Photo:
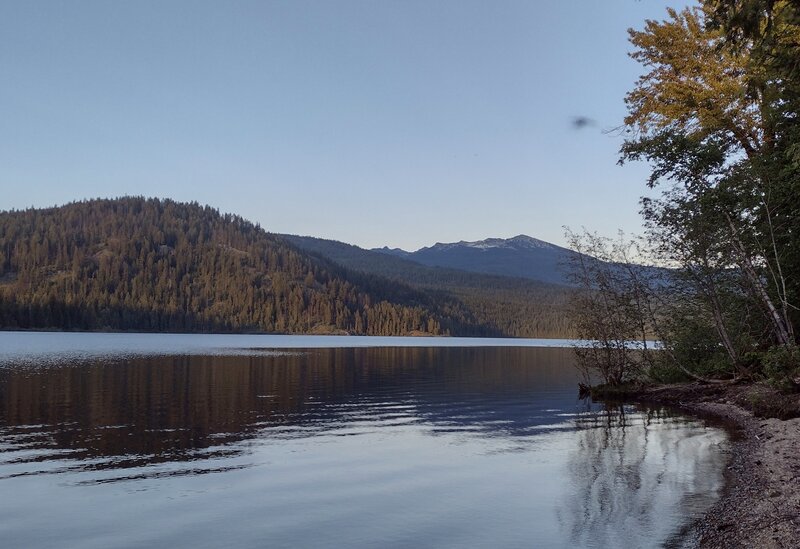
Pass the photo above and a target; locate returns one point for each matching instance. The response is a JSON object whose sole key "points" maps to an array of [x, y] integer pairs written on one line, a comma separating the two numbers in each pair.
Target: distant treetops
{"points": [[158, 265]]}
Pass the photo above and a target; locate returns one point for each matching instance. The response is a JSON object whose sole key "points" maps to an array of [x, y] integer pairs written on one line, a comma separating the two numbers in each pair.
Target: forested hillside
{"points": [[159, 265], [516, 307]]}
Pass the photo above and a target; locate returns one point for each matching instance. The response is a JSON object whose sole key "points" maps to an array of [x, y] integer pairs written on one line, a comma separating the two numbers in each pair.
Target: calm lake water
{"points": [[123, 440]]}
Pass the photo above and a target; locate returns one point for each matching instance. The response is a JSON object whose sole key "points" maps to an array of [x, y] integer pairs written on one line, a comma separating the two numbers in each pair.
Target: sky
{"points": [[373, 122]]}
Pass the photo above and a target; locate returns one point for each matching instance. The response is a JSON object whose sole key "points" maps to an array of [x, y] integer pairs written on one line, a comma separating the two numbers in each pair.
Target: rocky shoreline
{"points": [[761, 504]]}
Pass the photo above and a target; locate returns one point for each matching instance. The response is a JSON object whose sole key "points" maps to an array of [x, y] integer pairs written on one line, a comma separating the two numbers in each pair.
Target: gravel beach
{"points": [[761, 504]]}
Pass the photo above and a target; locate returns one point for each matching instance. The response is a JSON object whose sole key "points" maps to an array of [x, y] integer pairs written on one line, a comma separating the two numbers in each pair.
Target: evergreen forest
{"points": [[158, 265]]}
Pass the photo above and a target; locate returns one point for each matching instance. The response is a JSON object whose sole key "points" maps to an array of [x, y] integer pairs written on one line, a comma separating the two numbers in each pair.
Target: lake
{"points": [[141, 440]]}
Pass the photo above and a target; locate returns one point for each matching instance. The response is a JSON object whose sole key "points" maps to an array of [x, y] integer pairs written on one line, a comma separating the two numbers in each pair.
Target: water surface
{"points": [[140, 441]]}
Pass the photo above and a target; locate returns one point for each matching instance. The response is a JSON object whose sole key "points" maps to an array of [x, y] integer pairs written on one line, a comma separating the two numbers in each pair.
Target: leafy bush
{"points": [[663, 372], [781, 365]]}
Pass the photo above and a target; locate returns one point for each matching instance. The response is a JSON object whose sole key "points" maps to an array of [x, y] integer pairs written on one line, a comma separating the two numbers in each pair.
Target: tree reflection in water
{"points": [[339, 447], [630, 465], [137, 413]]}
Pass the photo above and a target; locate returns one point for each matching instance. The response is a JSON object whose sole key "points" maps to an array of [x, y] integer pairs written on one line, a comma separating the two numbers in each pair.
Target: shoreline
{"points": [[760, 506]]}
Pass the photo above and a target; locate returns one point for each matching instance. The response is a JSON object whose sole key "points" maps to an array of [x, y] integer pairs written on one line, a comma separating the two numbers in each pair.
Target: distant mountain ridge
{"points": [[521, 256], [514, 306], [519, 242]]}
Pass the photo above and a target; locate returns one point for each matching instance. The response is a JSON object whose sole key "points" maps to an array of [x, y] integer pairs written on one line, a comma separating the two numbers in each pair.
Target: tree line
{"points": [[158, 265]]}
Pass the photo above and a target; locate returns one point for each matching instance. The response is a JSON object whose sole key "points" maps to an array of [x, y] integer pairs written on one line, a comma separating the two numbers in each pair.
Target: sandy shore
{"points": [[761, 505]]}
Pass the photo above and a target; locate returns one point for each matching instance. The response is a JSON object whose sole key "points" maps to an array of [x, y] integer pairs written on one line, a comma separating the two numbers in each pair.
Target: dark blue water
{"points": [[114, 441]]}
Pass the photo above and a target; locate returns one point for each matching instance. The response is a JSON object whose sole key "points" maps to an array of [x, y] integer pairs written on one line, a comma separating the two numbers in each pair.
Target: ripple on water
{"points": [[356, 447]]}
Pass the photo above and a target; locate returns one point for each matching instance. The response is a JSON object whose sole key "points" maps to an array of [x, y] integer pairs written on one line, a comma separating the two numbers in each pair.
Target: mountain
{"points": [[158, 265], [517, 307], [398, 265], [520, 256], [392, 251]]}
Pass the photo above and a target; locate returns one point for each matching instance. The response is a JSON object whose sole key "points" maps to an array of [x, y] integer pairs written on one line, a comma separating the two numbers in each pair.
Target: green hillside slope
{"points": [[158, 265]]}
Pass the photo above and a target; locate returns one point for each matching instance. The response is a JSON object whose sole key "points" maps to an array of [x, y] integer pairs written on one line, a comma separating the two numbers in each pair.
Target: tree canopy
{"points": [[715, 114]]}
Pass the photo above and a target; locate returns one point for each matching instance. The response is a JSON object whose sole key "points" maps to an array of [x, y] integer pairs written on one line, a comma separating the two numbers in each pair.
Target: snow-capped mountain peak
{"points": [[518, 242], [520, 256]]}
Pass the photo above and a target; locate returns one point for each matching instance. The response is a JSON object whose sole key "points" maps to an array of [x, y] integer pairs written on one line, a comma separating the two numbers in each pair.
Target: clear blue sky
{"points": [[397, 123]]}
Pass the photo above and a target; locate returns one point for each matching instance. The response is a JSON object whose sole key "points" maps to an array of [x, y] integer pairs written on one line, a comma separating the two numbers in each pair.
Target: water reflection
{"points": [[629, 467], [403, 447], [108, 414]]}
